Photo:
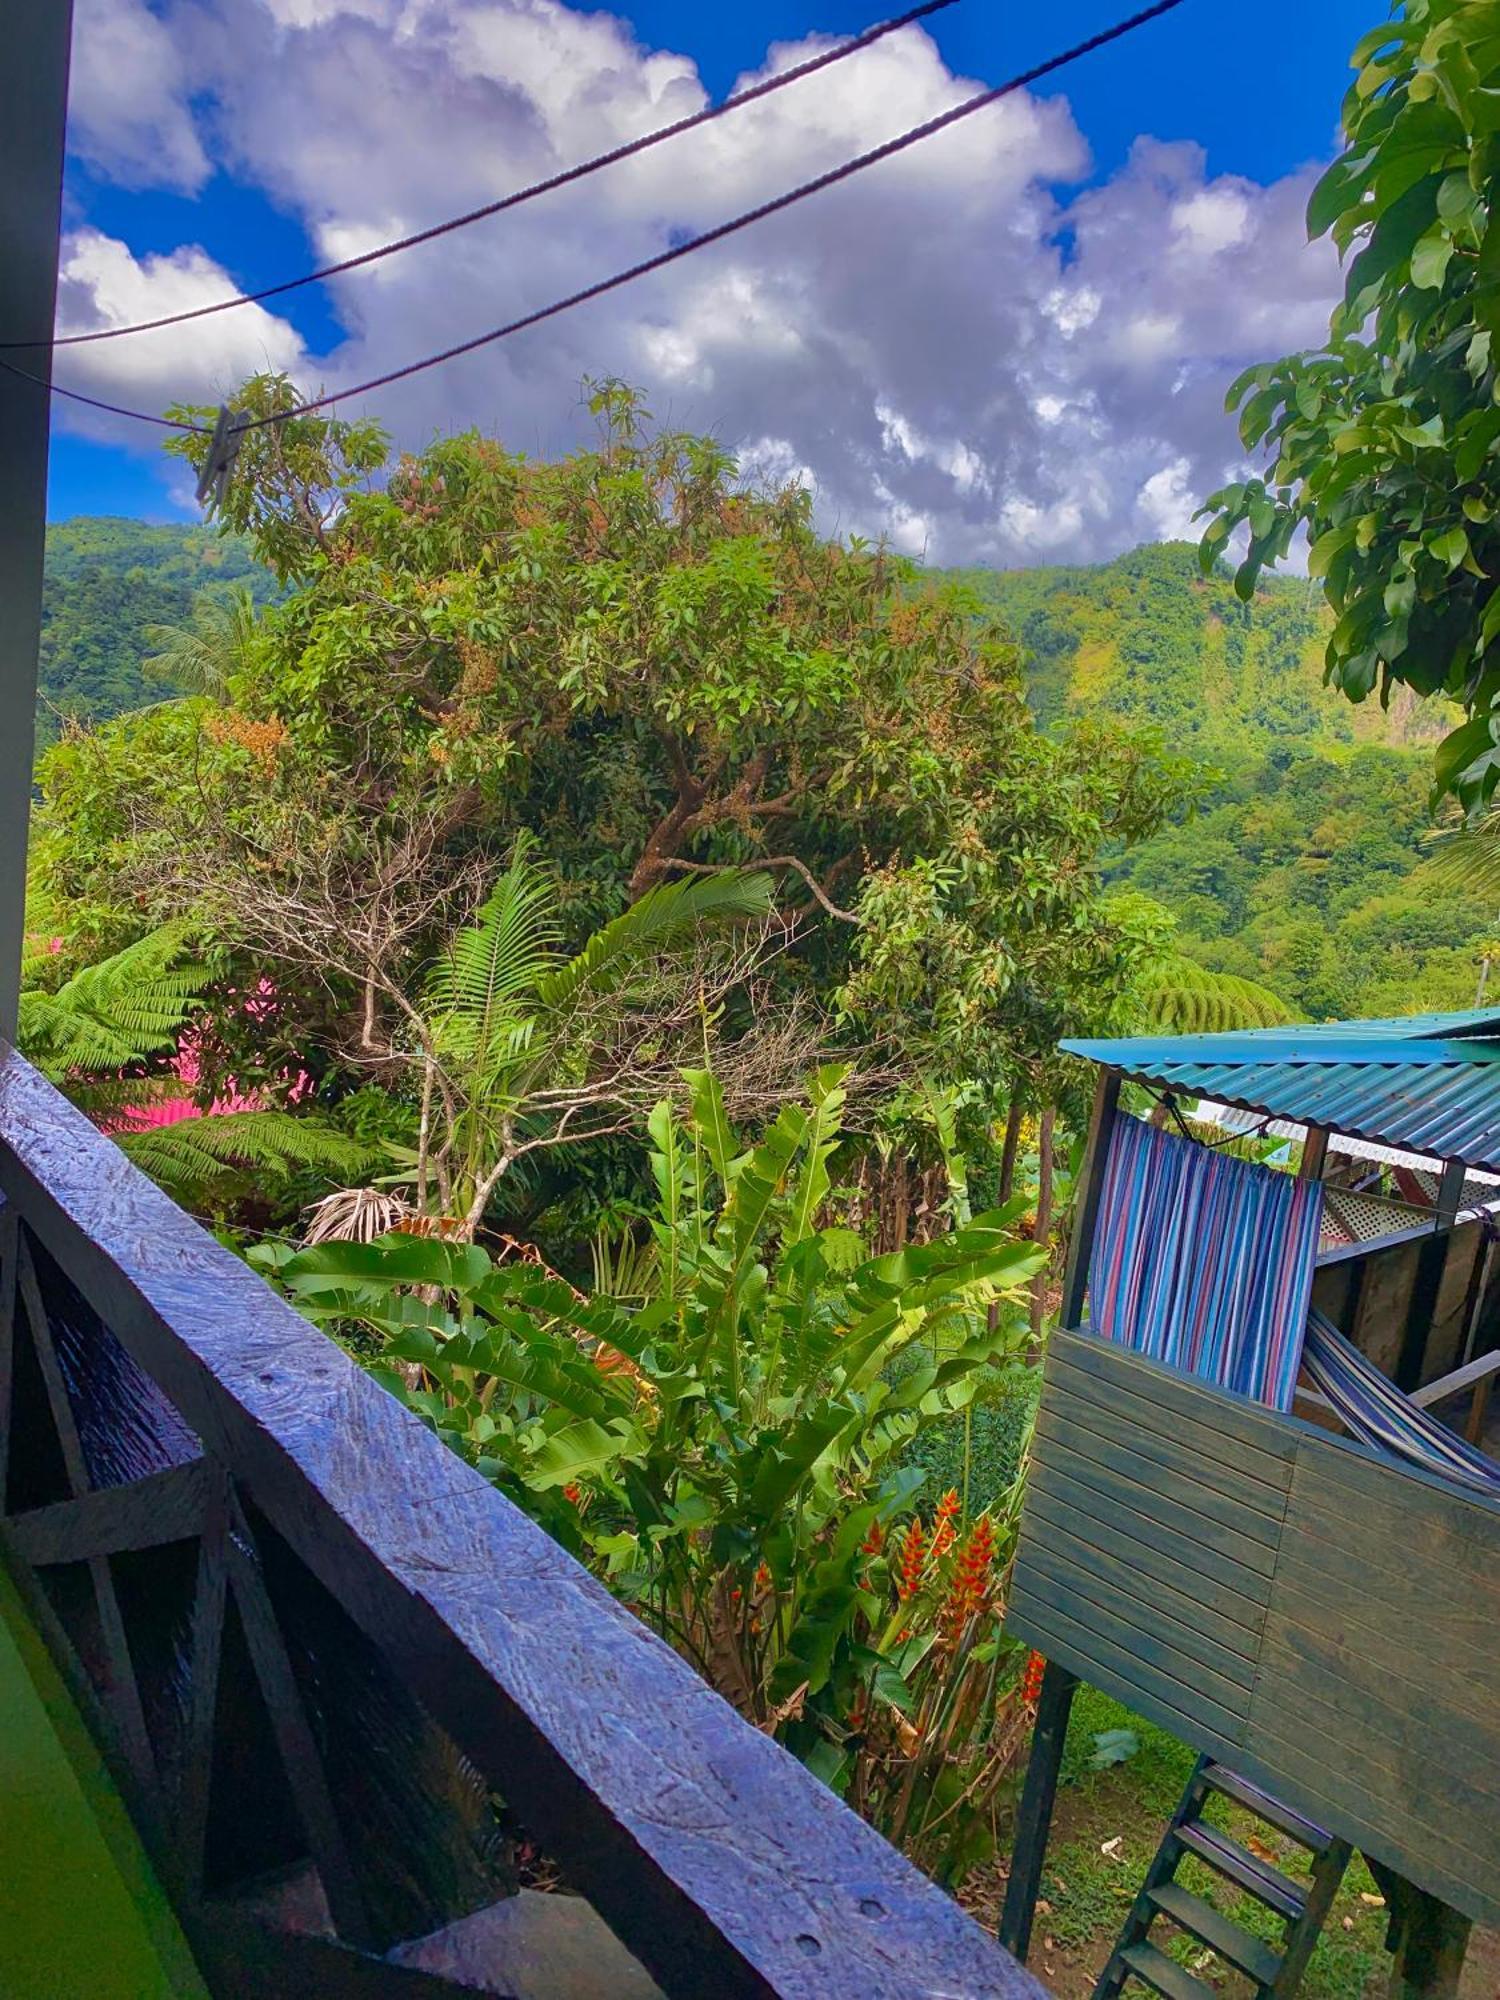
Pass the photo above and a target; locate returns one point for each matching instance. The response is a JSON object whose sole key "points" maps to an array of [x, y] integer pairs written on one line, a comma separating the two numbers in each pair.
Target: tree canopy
{"points": [[657, 672]]}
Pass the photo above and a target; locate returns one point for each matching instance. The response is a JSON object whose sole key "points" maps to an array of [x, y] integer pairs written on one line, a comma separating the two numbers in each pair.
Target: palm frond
{"points": [[664, 916], [356, 1215], [206, 656], [1468, 860], [1183, 998], [502, 955], [195, 1155]]}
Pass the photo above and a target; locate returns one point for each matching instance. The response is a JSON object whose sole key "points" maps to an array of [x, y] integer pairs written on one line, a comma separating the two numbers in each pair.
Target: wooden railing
{"points": [[342, 1681]]}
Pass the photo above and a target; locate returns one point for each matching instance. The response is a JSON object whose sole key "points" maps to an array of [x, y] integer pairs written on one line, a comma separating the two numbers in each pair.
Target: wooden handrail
{"points": [[722, 1864]]}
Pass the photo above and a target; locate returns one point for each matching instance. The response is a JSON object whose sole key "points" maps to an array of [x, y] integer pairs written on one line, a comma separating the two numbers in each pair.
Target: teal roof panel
{"points": [[1430, 1084]]}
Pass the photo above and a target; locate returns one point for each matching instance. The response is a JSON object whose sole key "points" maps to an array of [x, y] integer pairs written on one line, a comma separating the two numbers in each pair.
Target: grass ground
{"points": [[1107, 1828]]}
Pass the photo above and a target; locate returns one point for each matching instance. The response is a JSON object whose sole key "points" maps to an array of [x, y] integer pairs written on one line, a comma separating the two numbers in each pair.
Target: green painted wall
{"points": [[82, 1916]]}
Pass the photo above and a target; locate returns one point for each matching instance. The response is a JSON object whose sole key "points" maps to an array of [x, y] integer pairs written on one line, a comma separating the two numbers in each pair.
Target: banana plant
{"points": [[724, 1444]]}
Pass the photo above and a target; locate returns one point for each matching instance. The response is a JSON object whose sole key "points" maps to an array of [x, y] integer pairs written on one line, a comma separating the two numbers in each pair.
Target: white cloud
{"points": [[1212, 220], [1167, 503], [102, 283], [952, 347], [128, 113]]}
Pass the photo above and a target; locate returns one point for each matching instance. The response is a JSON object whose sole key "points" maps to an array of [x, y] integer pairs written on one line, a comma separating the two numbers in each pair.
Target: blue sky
{"points": [[222, 143]]}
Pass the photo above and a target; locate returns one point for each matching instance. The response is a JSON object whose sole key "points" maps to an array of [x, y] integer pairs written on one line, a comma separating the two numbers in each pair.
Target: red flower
{"points": [[1031, 1680], [913, 1555], [573, 1492], [970, 1587], [873, 1542]]}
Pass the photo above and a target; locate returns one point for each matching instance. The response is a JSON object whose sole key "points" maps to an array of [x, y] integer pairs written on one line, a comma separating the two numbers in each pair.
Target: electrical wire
{"points": [[566, 178], [917, 133], [928, 129]]}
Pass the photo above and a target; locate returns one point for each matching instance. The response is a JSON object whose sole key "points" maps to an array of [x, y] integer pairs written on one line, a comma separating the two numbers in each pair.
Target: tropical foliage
{"points": [[1384, 445], [108, 583], [520, 1048], [724, 1438], [662, 675], [111, 1034]]}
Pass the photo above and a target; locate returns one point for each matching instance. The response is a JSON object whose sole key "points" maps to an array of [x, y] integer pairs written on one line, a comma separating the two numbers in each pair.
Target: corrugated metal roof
{"points": [[1430, 1083]]}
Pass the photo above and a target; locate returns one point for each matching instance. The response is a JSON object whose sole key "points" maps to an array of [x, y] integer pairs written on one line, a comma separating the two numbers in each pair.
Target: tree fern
{"points": [[198, 1156], [119, 1012], [1181, 997]]}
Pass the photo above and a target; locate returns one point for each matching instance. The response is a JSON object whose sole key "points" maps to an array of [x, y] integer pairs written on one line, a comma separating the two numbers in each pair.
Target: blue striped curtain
{"points": [[1204, 1261], [1375, 1410]]}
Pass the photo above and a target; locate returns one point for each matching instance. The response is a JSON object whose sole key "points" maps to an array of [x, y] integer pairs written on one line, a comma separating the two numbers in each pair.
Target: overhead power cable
{"points": [[928, 129], [566, 178]]}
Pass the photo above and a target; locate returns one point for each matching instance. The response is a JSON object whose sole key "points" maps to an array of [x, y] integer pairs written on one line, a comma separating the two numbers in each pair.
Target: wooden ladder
{"points": [[1303, 1906]]}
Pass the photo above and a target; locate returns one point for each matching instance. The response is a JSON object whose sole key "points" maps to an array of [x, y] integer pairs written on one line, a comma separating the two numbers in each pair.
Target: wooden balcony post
{"points": [[1034, 1814], [33, 107]]}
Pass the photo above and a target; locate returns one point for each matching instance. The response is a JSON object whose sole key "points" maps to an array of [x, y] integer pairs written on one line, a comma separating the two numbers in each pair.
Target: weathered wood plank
{"points": [[1302, 1620], [1181, 1456], [720, 1862], [119, 1690], [295, 1741], [1232, 1466], [1134, 1484], [1316, 1785], [195, 1774], [164, 1507], [1459, 1525], [1221, 1579], [1130, 1628], [1237, 1619], [1390, 1732], [1165, 1464], [1137, 1374], [1372, 1581], [1139, 1601], [1123, 1674]]}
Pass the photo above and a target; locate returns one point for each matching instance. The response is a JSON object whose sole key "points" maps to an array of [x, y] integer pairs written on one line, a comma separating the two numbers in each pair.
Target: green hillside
{"points": [[1147, 638], [1301, 869], [108, 579]]}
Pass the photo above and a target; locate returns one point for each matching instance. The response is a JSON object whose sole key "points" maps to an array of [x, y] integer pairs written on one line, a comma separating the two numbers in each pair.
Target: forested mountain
{"points": [[1149, 638], [1301, 868], [108, 580]]}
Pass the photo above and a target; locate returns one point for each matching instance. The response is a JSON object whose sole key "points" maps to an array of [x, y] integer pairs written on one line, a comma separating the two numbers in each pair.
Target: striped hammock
{"points": [[1378, 1414], [1204, 1261]]}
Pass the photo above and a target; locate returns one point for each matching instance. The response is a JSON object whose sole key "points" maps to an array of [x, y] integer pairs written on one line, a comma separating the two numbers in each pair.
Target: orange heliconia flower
{"points": [[763, 1577], [970, 1588], [913, 1555], [874, 1541], [573, 1492], [943, 1528], [1031, 1680]]}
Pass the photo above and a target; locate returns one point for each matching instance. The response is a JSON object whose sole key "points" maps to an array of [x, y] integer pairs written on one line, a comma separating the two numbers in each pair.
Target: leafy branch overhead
{"points": [[1384, 447]]}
